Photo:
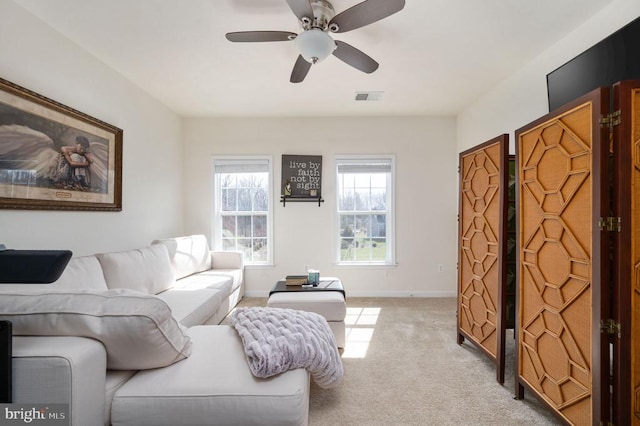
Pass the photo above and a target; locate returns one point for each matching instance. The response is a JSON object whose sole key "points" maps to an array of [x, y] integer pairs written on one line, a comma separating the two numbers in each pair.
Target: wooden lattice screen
{"points": [[626, 148], [578, 256], [633, 229], [482, 249], [560, 160]]}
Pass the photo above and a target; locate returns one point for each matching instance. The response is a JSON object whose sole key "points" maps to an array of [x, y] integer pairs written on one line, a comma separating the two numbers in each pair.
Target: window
{"points": [[365, 209], [243, 206]]}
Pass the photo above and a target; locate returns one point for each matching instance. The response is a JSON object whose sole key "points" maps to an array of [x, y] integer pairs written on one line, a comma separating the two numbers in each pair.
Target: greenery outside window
{"points": [[243, 207], [365, 209]]}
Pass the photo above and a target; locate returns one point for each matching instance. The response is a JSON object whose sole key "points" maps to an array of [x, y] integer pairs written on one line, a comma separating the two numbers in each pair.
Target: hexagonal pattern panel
{"points": [[478, 244], [562, 370], [556, 262], [554, 165], [481, 181]]}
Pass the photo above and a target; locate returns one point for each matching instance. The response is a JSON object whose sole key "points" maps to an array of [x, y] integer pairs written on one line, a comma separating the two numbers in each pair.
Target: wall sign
{"points": [[301, 178]]}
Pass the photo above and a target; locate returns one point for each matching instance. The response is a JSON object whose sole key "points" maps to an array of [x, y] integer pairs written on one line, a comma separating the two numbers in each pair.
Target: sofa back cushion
{"points": [[81, 273], [146, 269], [136, 329], [188, 255]]}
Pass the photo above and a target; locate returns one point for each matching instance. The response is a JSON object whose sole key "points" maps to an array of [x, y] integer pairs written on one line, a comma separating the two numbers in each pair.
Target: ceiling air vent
{"points": [[368, 96]]}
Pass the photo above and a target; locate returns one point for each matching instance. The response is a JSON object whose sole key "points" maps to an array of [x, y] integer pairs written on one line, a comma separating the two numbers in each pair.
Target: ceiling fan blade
{"points": [[354, 57], [365, 13], [301, 8], [300, 70], [260, 36]]}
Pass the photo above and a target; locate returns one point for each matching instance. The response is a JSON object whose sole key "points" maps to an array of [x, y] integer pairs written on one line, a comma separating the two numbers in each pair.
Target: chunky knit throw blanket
{"points": [[276, 340]]}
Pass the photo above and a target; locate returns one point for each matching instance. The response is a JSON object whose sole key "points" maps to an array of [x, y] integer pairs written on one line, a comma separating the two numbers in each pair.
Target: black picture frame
{"points": [[301, 177]]}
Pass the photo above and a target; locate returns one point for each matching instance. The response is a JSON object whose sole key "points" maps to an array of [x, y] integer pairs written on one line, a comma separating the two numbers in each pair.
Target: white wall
{"points": [[522, 98], [426, 182], [34, 56]]}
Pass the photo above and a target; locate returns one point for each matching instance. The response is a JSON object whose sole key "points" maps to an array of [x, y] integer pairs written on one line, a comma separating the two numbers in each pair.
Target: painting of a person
{"points": [[76, 162], [82, 165]]}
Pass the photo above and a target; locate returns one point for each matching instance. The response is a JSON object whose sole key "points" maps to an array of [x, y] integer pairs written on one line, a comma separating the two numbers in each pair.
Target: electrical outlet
{"points": [[440, 267]]}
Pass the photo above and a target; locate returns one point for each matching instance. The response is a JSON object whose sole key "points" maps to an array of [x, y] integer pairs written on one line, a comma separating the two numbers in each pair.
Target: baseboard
{"points": [[431, 294]]}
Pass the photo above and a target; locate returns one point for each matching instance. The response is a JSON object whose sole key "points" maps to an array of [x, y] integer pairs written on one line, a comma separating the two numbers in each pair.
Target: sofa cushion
{"points": [[81, 273], [214, 386], [208, 279], [234, 274], [192, 306], [188, 255], [114, 379], [146, 269], [136, 329]]}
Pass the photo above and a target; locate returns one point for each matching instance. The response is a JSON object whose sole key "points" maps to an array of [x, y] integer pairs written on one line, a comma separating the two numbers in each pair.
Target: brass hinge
{"points": [[612, 119], [610, 224], [611, 327]]}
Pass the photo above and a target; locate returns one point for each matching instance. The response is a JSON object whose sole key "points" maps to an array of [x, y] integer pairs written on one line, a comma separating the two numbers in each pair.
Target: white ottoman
{"points": [[330, 304]]}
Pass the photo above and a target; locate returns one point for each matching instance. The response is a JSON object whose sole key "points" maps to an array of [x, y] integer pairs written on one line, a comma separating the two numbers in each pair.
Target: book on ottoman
{"points": [[296, 279]]}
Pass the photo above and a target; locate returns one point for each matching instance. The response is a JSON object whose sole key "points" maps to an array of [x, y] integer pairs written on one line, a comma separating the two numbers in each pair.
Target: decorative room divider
{"points": [[578, 297], [482, 213], [577, 208], [561, 161], [624, 327]]}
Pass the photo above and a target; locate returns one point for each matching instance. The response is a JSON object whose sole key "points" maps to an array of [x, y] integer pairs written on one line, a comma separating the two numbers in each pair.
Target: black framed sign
{"points": [[302, 176]]}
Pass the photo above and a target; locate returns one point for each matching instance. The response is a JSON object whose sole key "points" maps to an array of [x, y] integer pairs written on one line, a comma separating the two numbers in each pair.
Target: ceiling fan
{"points": [[317, 18]]}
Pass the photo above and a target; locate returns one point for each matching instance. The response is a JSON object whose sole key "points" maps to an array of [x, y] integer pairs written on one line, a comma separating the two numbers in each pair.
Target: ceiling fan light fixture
{"points": [[315, 45]]}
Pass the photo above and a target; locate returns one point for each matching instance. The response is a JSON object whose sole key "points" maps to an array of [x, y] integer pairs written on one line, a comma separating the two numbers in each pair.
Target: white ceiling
{"points": [[436, 56]]}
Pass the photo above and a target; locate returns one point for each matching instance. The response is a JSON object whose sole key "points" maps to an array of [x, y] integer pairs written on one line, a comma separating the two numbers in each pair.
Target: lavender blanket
{"points": [[276, 340]]}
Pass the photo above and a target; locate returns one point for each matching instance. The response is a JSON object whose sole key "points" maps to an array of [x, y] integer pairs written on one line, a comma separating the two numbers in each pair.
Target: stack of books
{"points": [[296, 279]]}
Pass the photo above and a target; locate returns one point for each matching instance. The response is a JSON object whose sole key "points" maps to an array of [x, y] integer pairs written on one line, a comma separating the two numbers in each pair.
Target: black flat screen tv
{"points": [[615, 58]]}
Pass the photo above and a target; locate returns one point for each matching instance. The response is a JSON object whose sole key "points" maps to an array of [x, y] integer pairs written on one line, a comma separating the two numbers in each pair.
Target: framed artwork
{"points": [[53, 157]]}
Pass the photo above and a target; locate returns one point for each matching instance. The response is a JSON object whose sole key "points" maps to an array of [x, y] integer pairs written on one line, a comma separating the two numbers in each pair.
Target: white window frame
{"points": [[390, 232], [216, 227]]}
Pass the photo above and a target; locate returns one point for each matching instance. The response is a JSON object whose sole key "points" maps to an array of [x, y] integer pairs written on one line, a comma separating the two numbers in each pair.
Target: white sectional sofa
{"points": [[132, 338]]}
